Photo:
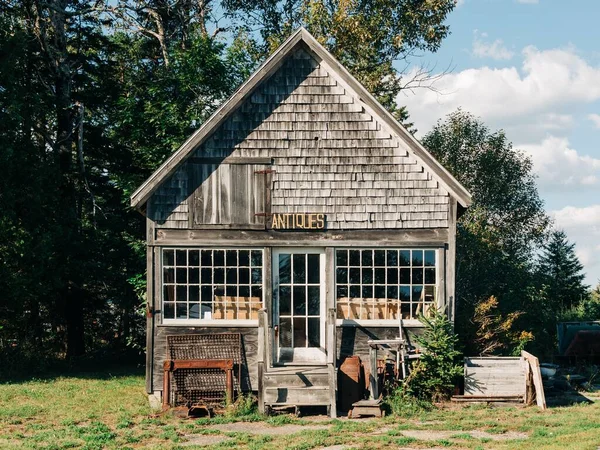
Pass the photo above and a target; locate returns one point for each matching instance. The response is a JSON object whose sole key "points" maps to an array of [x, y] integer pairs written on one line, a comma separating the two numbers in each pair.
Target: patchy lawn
{"points": [[97, 411]]}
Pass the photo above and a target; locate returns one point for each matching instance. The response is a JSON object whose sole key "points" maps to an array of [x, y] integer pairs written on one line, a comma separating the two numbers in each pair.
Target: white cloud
{"points": [[495, 50], [559, 166], [595, 118], [535, 98], [582, 226]]}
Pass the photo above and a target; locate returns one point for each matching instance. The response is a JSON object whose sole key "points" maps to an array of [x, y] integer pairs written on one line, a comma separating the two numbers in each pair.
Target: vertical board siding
{"points": [[330, 156], [353, 341]]}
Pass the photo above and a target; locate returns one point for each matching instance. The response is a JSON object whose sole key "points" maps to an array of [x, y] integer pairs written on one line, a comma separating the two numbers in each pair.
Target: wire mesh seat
{"points": [[191, 384]]}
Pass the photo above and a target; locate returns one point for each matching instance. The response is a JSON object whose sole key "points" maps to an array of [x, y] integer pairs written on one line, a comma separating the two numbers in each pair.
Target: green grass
{"points": [[102, 411]]}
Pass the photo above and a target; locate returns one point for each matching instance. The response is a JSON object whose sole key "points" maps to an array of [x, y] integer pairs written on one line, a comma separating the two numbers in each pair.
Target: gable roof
{"points": [[145, 191]]}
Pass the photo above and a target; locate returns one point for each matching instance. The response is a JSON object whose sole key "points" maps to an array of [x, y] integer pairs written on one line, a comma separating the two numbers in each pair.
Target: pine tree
{"points": [[561, 272]]}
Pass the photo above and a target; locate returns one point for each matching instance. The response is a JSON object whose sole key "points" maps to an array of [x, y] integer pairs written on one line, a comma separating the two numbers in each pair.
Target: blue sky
{"points": [[532, 68]]}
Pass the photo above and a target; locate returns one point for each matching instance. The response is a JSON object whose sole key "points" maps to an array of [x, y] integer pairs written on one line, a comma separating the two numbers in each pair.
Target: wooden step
{"points": [[296, 378], [298, 396]]}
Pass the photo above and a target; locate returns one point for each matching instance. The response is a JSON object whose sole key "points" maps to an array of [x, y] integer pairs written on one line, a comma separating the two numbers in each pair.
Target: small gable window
{"points": [[384, 284], [211, 284]]}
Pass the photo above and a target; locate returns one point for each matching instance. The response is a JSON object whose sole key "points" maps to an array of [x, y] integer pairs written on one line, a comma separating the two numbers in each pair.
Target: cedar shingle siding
{"points": [[329, 156]]}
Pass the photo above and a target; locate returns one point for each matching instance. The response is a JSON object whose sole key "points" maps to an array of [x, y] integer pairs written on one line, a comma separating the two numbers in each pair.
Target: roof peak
{"points": [[265, 70]]}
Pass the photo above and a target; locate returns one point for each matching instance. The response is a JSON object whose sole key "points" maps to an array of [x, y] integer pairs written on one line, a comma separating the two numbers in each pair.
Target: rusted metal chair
{"points": [[203, 370]]}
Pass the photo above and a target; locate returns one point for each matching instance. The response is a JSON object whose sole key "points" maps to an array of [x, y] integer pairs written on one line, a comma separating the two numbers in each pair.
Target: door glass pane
{"points": [[314, 300], [284, 268], [285, 332], [285, 300], [314, 269], [314, 333], [299, 267], [299, 300], [299, 332]]}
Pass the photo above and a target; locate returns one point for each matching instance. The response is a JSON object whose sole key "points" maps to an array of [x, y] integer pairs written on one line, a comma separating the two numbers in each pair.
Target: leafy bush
{"points": [[434, 376], [401, 403], [497, 333], [244, 405]]}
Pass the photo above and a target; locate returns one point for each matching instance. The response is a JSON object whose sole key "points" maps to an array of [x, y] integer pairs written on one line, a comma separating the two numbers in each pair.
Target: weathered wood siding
{"points": [[330, 155], [354, 340], [249, 340]]}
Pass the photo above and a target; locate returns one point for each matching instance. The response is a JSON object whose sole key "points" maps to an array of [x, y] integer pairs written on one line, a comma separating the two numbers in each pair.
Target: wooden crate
{"points": [[495, 376]]}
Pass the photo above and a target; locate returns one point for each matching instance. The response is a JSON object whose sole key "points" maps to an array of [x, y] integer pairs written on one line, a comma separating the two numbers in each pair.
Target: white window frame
{"points": [[207, 322], [411, 323]]}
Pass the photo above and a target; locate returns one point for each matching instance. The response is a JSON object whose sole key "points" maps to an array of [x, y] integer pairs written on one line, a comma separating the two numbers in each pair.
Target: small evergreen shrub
{"points": [[434, 376]]}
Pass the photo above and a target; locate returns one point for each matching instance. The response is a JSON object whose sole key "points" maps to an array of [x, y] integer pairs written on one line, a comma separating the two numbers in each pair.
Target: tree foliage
{"points": [[561, 272], [499, 234], [94, 95], [373, 39]]}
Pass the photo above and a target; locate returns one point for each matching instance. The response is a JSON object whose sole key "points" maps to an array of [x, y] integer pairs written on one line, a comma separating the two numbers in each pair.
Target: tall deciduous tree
{"points": [[562, 272], [498, 235], [371, 38]]}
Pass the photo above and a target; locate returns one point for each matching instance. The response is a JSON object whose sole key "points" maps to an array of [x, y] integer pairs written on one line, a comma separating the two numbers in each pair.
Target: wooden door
{"points": [[299, 306]]}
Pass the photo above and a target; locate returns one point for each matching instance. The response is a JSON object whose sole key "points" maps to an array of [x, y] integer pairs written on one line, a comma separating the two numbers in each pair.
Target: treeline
{"points": [[94, 95], [517, 276]]}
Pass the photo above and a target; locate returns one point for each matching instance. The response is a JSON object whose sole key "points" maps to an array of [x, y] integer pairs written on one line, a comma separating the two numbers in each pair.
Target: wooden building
{"points": [[303, 216]]}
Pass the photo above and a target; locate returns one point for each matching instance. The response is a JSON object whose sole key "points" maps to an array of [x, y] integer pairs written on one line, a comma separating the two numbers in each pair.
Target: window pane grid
{"points": [[299, 300], [212, 283], [380, 284]]}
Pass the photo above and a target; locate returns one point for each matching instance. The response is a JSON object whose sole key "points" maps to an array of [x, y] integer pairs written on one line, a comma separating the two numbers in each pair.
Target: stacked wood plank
{"points": [[500, 378], [330, 155]]}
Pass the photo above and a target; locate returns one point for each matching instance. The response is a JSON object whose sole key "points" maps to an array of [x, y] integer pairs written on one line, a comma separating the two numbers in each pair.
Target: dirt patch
{"points": [[203, 439], [262, 428], [431, 435], [509, 435], [335, 447]]}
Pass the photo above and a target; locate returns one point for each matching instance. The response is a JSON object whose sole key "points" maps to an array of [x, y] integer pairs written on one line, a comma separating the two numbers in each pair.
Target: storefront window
{"points": [[212, 284], [380, 284]]}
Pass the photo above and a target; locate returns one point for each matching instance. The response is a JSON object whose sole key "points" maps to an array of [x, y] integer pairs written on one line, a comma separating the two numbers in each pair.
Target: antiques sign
{"points": [[298, 221]]}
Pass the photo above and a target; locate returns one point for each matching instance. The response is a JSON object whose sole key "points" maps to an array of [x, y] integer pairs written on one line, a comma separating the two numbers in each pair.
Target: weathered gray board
{"points": [[495, 377], [533, 368]]}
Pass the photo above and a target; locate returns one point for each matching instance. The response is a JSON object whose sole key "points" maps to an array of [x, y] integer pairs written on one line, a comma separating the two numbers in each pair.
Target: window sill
{"points": [[210, 323], [406, 323]]}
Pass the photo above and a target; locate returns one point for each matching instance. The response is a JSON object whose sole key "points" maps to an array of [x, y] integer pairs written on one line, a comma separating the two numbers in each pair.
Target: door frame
{"points": [[308, 355]]}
